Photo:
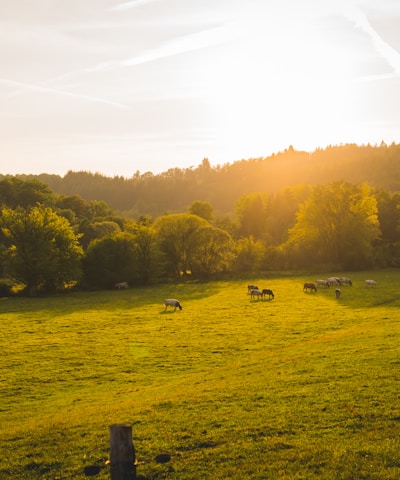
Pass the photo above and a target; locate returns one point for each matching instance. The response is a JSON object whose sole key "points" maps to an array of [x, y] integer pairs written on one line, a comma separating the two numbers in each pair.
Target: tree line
{"points": [[174, 190], [50, 242]]}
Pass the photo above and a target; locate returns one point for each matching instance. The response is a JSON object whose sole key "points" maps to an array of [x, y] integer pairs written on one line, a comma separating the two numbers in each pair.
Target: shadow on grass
{"points": [[108, 300], [362, 297]]}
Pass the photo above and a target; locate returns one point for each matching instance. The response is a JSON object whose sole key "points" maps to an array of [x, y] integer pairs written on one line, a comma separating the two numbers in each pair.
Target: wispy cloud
{"points": [[384, 49], [202, 39], [187, 43], [43, 89], [377, 77]]}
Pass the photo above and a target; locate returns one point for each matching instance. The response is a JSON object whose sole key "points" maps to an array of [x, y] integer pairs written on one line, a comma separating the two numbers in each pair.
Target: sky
{"points": [[121, 86]]}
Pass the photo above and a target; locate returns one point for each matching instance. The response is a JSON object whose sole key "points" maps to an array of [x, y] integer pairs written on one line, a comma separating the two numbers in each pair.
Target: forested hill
{"points": [[222, 185]]}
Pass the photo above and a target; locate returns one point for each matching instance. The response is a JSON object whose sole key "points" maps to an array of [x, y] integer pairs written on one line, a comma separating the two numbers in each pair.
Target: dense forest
{"points": [[335, 209], [175, 189]]}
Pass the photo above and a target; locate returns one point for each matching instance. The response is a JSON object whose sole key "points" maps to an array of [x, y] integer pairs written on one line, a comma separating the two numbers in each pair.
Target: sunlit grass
{"points": [[300, 387]]}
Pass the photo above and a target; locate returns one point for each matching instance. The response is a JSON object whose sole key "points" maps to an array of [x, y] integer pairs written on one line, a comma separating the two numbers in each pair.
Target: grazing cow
{"points": [[269, 292], [121, 285], [370, 283], [323, 283], [334, 281], [251, 287], [172, 302], [255, 292], [345, 281], [337, 293], [309, 286]]}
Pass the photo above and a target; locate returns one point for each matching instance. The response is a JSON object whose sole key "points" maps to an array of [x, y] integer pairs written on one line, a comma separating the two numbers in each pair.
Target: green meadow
{"points": [[304, 386]]}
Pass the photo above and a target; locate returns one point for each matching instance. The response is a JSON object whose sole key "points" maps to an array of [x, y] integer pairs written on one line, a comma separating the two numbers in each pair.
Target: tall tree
{"points": [[281, 212], [110, 260], [387, 251], [251, 214], [42, 248], [213, 251], [336, 225], [147, 254], [176, 234], [249, 254], [389, 215]]}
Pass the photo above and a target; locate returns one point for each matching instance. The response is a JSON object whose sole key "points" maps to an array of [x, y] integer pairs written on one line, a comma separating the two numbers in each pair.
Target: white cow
{"points": [[172, 302]]}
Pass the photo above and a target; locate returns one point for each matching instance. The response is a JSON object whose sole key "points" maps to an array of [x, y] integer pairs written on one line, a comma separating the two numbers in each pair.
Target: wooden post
{"points": [[122, 453]]}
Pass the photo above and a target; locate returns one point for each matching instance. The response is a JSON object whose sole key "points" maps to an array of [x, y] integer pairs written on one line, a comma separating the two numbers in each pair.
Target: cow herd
{"points": [[260, 294], [335, 282]]}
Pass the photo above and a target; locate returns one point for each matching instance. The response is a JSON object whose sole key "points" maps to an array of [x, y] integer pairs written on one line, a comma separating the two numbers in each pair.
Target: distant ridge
{"points": [[222, 185]]}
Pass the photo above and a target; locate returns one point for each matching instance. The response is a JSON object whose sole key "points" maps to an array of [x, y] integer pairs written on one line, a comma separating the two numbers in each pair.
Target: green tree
{"points": [[389, 215], [94, 230], [15, 192], [251, 213], [212, 251], [77, 204], [105, 228], [202, 209], [99, 209], [281, 212], [175, 235], [387, 250], [337, 225], [110, 260], [147, 254], [42, 249], [249, 255]]}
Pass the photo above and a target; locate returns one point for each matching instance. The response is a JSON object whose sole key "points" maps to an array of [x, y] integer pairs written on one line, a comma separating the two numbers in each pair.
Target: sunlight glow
{"points": [[268, 94], [150, 85]]}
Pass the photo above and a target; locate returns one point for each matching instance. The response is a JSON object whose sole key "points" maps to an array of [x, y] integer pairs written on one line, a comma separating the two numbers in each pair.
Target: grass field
{"points": [[305, 386]]}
